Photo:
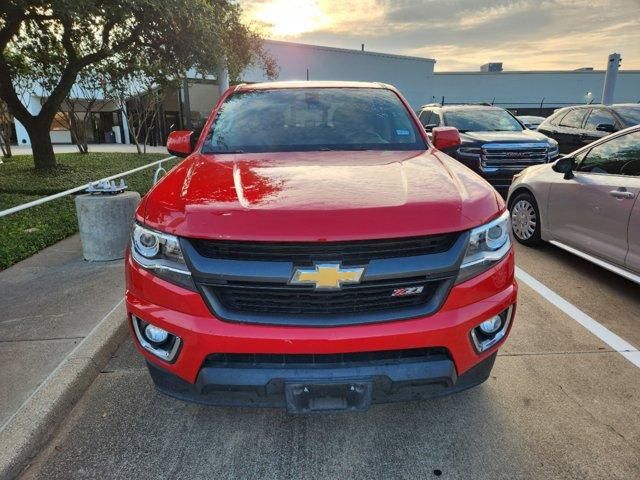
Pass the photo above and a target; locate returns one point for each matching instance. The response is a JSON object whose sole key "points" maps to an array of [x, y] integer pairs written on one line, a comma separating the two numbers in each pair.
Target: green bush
{"points": [[29, 231]]}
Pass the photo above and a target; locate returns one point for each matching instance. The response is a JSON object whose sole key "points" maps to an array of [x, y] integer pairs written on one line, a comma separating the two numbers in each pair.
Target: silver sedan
{"points": [[586, 203]]}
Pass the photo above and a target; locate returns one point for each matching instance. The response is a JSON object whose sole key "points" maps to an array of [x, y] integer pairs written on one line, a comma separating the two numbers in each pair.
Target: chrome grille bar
{"points": [[513, 155]]}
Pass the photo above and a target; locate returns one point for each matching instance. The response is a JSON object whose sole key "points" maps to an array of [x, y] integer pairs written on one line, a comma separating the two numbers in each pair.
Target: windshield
{"points": [[479, 120], [631, 115], [306, 119]]}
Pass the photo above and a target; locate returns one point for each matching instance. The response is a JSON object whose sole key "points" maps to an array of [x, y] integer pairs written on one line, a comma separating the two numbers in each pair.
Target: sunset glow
{"points": [[291, 17]]}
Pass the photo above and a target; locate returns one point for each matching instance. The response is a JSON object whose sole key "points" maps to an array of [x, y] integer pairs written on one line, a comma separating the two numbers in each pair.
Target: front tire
{"points": [[525, 219]]}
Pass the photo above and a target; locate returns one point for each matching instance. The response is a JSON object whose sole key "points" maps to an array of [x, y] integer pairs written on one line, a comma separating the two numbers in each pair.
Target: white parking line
{"points": [[618, 344]]}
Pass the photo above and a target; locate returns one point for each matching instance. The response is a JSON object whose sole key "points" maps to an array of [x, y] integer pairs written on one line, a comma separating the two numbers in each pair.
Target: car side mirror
{"points": [[564, 165], [445, 138], [430, 126], [606, 127], [181, 143]]}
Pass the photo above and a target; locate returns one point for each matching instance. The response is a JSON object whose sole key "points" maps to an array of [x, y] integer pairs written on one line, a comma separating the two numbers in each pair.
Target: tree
{"points": [[139, 96], [5, 130], [86, 96], [52, 41]]}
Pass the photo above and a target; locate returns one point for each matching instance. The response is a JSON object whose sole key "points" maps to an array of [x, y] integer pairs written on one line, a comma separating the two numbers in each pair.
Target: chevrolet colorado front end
{"points": [[315, 251]]}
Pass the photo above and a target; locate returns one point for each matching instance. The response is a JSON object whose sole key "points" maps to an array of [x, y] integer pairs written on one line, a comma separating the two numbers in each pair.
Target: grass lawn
{"points": [[31, 230]]}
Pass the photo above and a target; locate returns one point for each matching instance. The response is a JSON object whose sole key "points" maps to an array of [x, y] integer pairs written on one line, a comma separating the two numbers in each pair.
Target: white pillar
{"points": [[21, 134], [223, 77], [125, 126], [610, 78], [33, 106]]}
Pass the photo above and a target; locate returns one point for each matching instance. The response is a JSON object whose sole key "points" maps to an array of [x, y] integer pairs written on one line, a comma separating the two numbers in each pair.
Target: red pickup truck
{"points": [[314, 250]]}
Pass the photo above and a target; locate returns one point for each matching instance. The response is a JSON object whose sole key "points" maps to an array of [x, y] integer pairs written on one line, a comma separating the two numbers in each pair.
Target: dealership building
{"points": [[530, 92]]}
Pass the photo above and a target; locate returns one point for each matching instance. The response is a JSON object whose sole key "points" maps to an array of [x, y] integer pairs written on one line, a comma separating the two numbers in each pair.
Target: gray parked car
{"points": [[586, 203]]}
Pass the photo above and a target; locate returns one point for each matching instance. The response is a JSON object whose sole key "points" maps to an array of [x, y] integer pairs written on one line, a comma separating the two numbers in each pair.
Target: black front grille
{"points": [[349, 253], [296, 359], [261, 298], [250, 282]]}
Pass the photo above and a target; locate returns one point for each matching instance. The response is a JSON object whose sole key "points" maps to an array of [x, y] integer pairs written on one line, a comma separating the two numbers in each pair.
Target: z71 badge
{"points": [[405, 292]]}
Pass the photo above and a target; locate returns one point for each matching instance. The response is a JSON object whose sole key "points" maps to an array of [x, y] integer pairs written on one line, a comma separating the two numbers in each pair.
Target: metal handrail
{"points": [[55, 196]]}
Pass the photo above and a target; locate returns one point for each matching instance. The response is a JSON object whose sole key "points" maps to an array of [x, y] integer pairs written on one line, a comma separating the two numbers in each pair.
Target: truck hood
{"points": [[503, 137], [319, 196]]}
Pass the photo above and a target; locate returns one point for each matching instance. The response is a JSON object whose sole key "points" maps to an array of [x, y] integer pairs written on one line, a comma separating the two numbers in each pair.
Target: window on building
{"points": [[60, 122], [599, 116], [574, 118]]}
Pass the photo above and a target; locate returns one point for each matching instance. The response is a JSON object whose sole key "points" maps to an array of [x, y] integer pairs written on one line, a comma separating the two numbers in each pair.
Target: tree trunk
{"points": [[43, 156], [5, 143]]}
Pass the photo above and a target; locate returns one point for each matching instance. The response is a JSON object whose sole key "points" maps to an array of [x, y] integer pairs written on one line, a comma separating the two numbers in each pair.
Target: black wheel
{"points": [[525, 219]]}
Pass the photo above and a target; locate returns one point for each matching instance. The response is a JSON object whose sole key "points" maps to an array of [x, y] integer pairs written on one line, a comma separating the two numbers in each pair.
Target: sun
{"points": [[288, 18]]}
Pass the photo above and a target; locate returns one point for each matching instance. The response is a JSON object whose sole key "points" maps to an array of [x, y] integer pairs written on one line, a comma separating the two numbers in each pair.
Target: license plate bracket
{"points": [[309, 397]]}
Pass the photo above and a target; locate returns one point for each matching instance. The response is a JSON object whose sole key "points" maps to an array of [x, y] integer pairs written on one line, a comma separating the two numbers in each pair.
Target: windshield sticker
{"points": [[402, 132]]}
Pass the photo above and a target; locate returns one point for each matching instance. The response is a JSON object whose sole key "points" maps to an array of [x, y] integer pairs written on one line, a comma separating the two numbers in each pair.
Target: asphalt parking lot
{"points": [[560, 403]]}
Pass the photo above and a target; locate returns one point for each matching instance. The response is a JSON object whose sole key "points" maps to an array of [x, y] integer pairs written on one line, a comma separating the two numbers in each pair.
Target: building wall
{"points": [[408, 74], [527, 89]]}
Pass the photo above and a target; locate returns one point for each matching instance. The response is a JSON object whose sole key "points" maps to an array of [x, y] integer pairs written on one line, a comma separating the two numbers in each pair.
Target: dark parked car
{"points": [[532, 122], [575, 127], [494, 143]]}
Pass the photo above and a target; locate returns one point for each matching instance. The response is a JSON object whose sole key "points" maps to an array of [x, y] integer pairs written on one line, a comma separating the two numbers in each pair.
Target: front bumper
{"points": [[308, 389], [184, 313]]}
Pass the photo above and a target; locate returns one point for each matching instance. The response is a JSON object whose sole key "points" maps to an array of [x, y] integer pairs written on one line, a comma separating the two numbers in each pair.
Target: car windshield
{"points": [[308, 119], [631, 115], [481, 120]]}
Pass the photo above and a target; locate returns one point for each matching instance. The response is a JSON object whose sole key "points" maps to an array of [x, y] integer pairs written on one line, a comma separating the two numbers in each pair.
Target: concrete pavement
{"points": [[559, 404], [35, 336]]}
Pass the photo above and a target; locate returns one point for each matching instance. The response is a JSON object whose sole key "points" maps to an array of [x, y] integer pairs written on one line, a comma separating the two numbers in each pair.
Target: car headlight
{"points": [[553, 150], [488, 244], [470, 151], [161, 254]]}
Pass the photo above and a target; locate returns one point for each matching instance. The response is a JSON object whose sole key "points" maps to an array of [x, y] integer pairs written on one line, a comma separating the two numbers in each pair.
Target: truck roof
{"points": [[309, 84]]}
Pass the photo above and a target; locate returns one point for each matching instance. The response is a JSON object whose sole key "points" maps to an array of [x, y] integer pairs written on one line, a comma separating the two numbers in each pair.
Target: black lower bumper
{"points": [[307, 389]]}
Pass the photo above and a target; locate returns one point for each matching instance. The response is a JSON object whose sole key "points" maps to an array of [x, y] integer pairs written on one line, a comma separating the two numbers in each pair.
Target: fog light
{"points": [[489, 326], [156, 334], [490, 332], [155, 340]]}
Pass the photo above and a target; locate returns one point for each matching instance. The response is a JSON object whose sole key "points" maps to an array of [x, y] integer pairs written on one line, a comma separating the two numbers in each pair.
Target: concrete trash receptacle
{"points": [[105, 224]]}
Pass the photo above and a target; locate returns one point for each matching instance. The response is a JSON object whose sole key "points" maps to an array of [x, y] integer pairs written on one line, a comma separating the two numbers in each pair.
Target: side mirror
{"points": [[181, 143], [606, 127], [564, 165], [445, 138], [430, 126]]}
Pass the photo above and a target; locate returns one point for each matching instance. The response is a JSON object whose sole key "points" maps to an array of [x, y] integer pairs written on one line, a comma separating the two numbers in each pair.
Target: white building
{"points": [[523, 92], [311, 62], [530, 91]]}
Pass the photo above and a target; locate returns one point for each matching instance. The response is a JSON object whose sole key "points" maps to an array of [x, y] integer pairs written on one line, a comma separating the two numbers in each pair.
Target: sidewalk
{"points": [[48, 304], [98, 147]]}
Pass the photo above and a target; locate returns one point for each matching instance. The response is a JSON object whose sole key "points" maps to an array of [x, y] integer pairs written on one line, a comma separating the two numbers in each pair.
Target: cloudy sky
{"points": [[463, 34]]}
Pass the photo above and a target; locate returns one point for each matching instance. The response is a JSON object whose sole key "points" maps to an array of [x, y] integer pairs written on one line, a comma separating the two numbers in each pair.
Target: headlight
{"points": [[488, 244], [553, 150], [161, 254], [470, 151]]}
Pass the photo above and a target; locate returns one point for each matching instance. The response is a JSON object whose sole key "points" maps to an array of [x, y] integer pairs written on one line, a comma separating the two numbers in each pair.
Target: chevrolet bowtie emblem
{"points": [[326, 275]]}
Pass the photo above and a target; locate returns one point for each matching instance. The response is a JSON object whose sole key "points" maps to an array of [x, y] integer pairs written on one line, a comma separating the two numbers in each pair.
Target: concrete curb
{"points": [[35, 422]]}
